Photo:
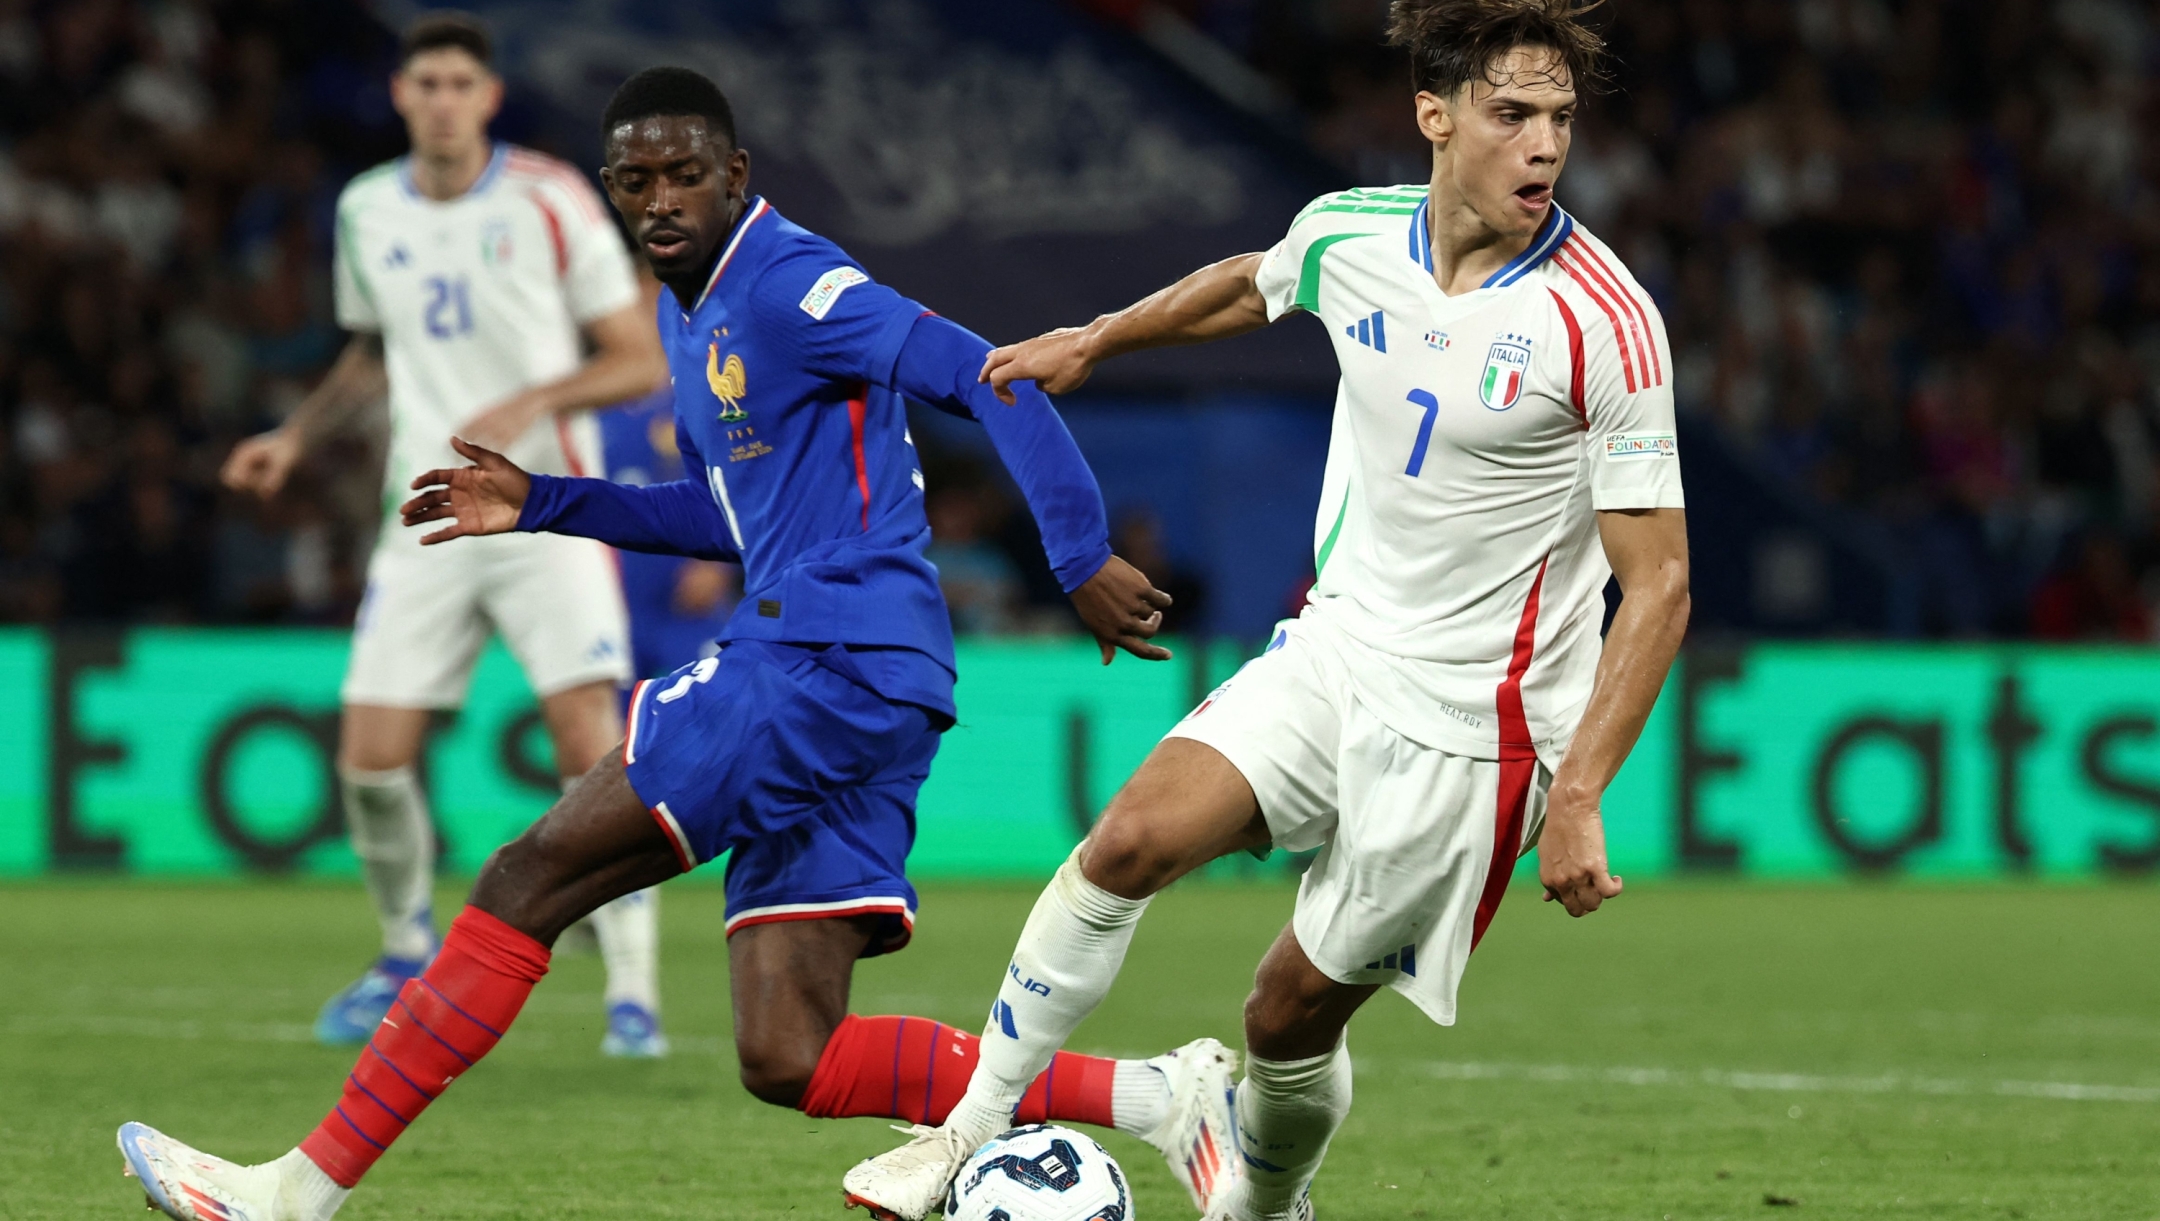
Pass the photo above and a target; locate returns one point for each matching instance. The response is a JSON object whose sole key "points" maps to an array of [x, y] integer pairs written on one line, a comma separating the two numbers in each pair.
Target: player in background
{"points": [[678, 606], [799, 749], [1502, 445], [472, 275]]}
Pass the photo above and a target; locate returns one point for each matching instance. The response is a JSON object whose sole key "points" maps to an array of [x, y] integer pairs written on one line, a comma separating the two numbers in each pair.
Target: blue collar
{"points": [[1558, 225], [496, 159]]}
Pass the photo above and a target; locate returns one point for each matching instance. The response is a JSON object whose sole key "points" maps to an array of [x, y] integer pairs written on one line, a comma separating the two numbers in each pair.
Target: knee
{"points": [[1126, 857], [519, 885], [775, 1072]]}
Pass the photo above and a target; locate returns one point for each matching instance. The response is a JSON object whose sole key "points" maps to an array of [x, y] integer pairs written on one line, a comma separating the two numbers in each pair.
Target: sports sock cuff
{"points": [[1290, 1076], [837, 1068], [387, 778], [1096, 907], [1139, 1097], [497, 946]]}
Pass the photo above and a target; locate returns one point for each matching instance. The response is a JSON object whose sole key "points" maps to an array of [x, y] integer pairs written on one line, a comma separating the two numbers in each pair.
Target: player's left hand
{"points": [[484, 498], [500, 426], [1123, 610], [1571, 854]]}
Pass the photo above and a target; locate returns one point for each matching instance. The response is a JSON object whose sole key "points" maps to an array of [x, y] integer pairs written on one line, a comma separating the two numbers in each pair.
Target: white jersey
{"points": [[477, 298], [1474, 438]]}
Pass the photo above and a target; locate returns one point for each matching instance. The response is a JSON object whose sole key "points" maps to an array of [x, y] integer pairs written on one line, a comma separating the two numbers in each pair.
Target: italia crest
{"points": [[728, 384], [1507, 364]]}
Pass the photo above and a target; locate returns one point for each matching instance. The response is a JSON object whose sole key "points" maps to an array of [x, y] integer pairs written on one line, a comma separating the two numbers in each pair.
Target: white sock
{"points": [[1139, 1097], [1069, 952], [629, 932], [1287, 1111], [387, 816], [304, 1190]]}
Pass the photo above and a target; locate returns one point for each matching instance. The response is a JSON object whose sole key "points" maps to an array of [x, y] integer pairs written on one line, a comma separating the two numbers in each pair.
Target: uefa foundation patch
{"points": [[1633, 446]]}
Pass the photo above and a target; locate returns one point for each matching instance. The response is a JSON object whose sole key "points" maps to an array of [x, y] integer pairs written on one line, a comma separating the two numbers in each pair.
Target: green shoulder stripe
{"points": [[1308, 281]]}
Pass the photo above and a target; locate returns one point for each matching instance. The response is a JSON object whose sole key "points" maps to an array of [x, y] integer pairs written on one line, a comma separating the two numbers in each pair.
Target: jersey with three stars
{"points": [[477, 298], [1475, 438]]}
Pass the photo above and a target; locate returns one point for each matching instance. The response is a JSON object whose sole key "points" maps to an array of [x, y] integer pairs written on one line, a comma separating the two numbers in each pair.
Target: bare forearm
{"points": [[609, 377], [1215, 302], [357, 380], [1639, 651]]}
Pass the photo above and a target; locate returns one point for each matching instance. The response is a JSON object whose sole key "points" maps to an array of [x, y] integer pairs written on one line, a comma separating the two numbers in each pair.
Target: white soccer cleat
{"points": [[908, 1183], [190, 1185], [1198, 1138]]}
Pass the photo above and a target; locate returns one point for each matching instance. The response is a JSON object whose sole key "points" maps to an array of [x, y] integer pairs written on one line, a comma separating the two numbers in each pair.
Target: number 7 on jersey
{"points": [[1425, 399]]}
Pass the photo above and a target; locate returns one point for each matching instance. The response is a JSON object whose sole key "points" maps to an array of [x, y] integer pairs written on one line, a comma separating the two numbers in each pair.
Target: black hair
{"points": [[447, 28], [1453, 42], [669, 91]]}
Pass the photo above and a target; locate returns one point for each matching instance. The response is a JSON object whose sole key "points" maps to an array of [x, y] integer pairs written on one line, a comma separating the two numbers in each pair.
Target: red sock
{"points": [[914, 1068], [439, 1026]]}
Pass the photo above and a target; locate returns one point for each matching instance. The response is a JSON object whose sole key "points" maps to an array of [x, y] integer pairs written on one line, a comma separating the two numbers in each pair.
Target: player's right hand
{"points": [[1056, 361], [1124, 610], [262, 463], [484, 498]]}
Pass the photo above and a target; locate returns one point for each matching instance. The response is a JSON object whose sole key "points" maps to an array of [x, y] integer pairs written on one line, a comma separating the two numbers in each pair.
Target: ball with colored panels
{"points": [[1040, 1173]]}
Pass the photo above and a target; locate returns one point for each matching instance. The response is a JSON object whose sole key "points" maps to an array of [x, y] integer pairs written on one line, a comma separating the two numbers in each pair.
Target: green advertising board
{"points": [[205, 752]]}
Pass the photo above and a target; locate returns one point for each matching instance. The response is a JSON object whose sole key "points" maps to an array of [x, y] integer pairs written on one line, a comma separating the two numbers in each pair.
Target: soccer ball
{"points": [[1040, 1173]]}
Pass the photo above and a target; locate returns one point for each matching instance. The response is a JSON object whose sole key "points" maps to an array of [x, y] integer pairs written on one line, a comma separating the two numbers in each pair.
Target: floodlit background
{"points": [[1909, 255]]}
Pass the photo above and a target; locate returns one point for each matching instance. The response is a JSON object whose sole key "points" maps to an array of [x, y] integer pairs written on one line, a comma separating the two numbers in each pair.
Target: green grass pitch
{"points": [[1694, 1051]]}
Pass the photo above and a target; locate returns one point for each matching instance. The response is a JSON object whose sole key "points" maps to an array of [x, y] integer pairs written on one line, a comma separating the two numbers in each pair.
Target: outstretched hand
{"points": [[1123, 610], [484, 498], [1055, 361]]}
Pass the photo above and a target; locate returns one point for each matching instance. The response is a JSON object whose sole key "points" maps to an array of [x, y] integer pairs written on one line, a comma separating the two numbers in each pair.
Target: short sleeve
{"points": [[1278, 277], [355, 298], [1627, 400], [597, 273], [837, 321]]}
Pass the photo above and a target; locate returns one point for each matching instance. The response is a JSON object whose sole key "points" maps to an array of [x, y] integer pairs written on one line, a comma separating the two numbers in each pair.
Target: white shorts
{"points": [[1416, 844], [556, 600]]}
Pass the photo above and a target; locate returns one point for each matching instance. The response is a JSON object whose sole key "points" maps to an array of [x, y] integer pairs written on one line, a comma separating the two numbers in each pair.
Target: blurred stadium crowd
{"points": [[1909, 253]]}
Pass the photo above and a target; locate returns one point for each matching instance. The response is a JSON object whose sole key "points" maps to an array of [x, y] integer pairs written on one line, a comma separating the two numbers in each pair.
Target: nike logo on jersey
{"points": [[1370, 331]]}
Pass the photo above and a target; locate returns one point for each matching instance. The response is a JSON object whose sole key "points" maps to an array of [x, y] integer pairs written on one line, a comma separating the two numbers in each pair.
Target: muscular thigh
{"points": [[597, 843], [1186, 806], [789, 982]]}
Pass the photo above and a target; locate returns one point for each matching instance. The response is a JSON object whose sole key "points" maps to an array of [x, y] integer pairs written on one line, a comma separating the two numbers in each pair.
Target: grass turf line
{"points": [[1612, 1067]]}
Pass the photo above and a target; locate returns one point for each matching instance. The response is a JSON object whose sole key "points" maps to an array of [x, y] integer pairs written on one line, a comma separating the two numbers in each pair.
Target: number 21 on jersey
{"points": [[448, 312]]}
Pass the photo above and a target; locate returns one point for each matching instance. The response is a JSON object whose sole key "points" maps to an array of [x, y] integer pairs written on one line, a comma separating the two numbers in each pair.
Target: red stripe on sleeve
{"points": [[1612, 315], [1656, 374], [1581, 258], [1575, 355]]}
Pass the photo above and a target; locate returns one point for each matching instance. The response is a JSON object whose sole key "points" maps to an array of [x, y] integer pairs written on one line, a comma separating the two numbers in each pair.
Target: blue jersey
{"points": [[637, 445], [791, 371]]}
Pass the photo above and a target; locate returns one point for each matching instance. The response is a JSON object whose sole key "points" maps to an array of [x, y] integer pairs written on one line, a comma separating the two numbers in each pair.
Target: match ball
{"points": [[1040, 1173]]}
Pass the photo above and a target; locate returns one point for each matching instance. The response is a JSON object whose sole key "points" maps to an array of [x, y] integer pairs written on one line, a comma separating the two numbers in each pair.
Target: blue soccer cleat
{"points": [[350, 1018], [633, 1033]]}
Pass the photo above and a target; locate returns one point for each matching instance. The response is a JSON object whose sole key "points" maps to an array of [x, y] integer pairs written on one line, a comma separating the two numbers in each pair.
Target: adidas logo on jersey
{"points": [[1370, 331]]}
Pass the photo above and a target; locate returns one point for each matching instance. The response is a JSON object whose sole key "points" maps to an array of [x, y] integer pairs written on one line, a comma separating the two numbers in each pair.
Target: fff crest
{"points": [[728, 382]]}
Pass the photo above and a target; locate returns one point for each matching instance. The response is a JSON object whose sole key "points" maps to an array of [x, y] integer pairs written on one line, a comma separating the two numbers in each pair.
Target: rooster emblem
{"points": [[727, 382]]}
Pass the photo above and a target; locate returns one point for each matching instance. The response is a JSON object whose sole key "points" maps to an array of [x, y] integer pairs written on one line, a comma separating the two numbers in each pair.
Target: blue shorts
{"points": [[785, 756]]}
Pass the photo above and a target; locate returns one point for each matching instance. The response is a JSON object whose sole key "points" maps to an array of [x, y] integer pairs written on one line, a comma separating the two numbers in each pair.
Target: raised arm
{"points": [[936, 365], [1648, 552], [262, 463], [1215, 302]]}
